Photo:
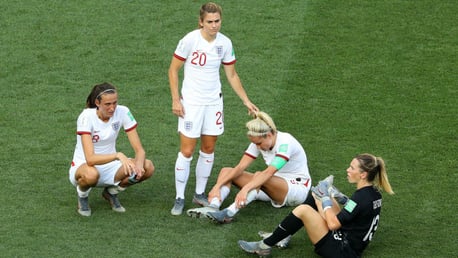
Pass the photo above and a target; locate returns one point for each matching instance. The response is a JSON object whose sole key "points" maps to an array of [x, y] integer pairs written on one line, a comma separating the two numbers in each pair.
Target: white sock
{"points": [[262, 196], [182, 167], [251, 196], [215, 202], [203, 170], [232, 210], [81, 193], [113, 190], [223, 192]]}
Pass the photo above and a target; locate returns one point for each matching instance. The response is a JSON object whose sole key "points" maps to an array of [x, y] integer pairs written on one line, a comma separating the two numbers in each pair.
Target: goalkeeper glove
{"points": [[340, 197], [321, 189], [326, 203]]}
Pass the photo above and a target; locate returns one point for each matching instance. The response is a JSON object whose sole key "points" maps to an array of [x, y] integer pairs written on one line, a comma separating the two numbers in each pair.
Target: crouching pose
{"points": [[96, 163], [336, 232], [284, 182]]}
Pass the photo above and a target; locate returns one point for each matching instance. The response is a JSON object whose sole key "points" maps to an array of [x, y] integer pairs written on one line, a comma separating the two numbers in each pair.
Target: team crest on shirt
{"points": [[219, 50], [188, 125], [115, 126]]}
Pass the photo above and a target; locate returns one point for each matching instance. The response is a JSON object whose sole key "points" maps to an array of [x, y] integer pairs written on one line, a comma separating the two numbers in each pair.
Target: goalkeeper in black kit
{"points": [[338, 226]]}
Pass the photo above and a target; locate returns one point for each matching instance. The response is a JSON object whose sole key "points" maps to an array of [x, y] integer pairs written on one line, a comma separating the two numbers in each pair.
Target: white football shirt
{"points": [[288, 148], [201, 82], [104, 134]]}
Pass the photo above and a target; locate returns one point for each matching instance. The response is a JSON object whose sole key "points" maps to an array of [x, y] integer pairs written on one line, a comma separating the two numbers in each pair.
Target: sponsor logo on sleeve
{"points": [[131, 116], [350, 206]]}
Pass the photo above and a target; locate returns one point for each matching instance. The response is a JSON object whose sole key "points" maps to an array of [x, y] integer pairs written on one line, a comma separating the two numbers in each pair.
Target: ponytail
{"points": [[375, 167], [261, 125]]}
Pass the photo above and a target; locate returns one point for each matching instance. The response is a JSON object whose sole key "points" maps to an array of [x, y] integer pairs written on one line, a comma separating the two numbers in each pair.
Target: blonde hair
{"points": [[261, 125], [375, 167]]}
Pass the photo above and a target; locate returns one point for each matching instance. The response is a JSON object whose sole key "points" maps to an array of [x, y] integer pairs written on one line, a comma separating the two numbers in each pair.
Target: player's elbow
{"points": [[91, 160]]}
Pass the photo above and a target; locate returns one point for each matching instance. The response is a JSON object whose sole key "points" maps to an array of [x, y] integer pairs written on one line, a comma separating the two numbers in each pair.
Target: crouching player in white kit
{"points": [[285, 181], [96, 163]]}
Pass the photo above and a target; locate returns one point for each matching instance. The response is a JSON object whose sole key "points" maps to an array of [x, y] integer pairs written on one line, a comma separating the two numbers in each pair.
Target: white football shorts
{"points": [[201, 120], [297, 192], [107, 173]]}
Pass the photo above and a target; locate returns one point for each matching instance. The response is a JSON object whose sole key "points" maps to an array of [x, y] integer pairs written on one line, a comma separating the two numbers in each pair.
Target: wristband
{"points": [[326, 202], [326, 208]]}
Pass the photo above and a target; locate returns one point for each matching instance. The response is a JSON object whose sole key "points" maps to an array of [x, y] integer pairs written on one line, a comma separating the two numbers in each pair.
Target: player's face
{"points": [[211, 24], [263, 143], [107, 105], [354, 172]]}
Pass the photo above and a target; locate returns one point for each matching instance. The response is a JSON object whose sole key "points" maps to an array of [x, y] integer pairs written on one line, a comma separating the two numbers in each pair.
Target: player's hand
{"points": [[126, 163], [138, 170], [241, 200], [177, 108], [321, 189], [323, 186], [252, 108], [336, 194], [214, 193]]}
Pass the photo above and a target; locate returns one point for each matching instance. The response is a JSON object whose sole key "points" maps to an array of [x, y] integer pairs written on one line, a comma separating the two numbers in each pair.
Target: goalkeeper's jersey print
{"points": [[288, 148], [201, 83], [360, 217], [104, 134]]}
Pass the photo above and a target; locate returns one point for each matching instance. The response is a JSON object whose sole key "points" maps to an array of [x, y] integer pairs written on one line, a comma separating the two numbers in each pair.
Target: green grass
{"points": [[344, 77]]}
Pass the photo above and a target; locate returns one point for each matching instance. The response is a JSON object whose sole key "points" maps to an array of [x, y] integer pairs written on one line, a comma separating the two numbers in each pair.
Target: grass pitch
{"points": [[343, 77]]}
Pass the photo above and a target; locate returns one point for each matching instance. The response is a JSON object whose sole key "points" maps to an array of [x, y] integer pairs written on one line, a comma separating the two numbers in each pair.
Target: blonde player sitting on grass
{"points": [[284, 182]]}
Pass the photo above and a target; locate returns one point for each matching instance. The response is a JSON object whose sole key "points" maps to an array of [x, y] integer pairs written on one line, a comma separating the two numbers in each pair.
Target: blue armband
{"points": [[278, 162]]}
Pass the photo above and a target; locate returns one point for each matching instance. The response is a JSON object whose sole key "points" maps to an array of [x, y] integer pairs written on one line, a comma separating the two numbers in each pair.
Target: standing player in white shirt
{"points": [[200, 106], [96, 163]]}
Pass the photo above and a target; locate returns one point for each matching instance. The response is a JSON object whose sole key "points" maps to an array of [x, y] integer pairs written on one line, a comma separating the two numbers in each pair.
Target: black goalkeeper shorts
{"points": [[334, 245]]}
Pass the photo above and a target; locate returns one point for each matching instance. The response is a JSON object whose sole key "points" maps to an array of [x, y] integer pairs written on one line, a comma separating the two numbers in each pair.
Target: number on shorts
{"points": [[219, 118]]}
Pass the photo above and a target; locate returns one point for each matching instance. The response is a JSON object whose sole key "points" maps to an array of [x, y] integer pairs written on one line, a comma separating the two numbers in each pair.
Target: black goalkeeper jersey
{"points": [[360, 216]]}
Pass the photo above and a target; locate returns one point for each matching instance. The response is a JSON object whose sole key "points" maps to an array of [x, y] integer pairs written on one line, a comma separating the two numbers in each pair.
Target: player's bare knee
{"points": [[225, 170], [302, 209], [88, 179], [149, 168], [187, 153]]}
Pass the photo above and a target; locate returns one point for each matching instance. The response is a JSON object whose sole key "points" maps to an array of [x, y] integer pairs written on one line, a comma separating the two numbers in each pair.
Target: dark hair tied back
{"points": [[97, 92]]}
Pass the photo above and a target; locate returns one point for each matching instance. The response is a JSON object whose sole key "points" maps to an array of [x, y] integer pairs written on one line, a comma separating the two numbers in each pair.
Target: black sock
{"points": [[289, 226], [310, 201]]}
